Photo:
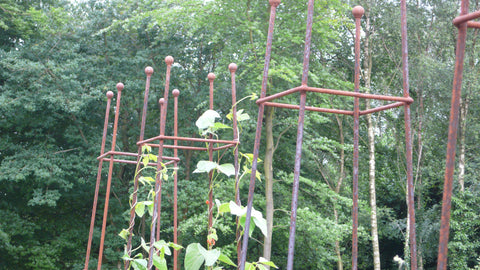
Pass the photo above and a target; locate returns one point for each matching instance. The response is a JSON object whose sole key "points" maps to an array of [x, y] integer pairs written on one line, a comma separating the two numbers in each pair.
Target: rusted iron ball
{"points": [[175, 92], [358, 11], [232, 67], [161, 101], [149, 71], [274, 3], [120, 86], [109, 94], [211, 76], [169, 60]]}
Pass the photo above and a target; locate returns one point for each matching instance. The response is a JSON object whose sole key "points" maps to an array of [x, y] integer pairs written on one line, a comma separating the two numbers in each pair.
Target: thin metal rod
{"points": [[211, 78], [109, 179], [473, 24], [407, 100], [175, 94], [408, 139], [308, 108], [163, 137], [155, 228], [466, 17], [135, 162], [233, 68], [99, 176], [127, 154], [452, 141], [148, 72], [273, 7], [358, 12], [298, 151]]}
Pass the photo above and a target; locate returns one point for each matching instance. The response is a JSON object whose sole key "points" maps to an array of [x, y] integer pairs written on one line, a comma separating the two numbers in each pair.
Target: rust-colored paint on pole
{"points": [[175, 94], [109, 179], [408, 138], [464, 17], [273, 8], [211, 78], [99, 177], [357, 12], [148, 72], [155, 227], [452, 139], [233, 68]]}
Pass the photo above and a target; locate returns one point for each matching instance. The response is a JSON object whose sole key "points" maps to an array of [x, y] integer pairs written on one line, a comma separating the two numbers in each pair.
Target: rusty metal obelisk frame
{"points": [[303, 89], [462, 22], [110, 156]]}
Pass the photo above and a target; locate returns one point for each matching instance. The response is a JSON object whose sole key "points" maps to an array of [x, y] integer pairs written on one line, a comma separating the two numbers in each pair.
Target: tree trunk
{"points": [[268, 171], [371, 145]]}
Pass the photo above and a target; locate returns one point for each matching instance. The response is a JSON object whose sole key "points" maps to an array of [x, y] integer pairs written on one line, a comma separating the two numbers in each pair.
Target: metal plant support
{"points": [[157, 142], [303, 89], [462, 22]]}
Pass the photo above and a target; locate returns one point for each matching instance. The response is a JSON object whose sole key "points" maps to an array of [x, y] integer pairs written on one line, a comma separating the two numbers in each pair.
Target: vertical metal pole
{"points": [[408, 139], [298, 152], [233, 68], [99, 176], [109, 180], [148, 72], [452, 141], [175, 94], [273, 7], [211, 78], [358, 12], [155, 228]]}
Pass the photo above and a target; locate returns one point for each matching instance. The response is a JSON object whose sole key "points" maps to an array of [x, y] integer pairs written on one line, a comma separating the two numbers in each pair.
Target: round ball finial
{"points": [[274, 3], [211, 76], [161, 101], [232, 67], [175, 92], [358, 11], [120, 86], [109, 94], [149, 71], [169, 60]]}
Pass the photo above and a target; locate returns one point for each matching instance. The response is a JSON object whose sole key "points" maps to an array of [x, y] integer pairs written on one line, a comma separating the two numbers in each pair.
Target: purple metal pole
{"points": [[298, 152], [99, 177], [273, 7], [155, 228], [175, 94], [357, 12], [408, 139], [109, 180], [452, 141], [148, 72]]}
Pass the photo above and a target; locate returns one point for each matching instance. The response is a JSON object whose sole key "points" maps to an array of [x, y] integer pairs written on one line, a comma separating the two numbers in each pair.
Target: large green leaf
{"points": [[207, 119], [193, 257], [205, 166]]}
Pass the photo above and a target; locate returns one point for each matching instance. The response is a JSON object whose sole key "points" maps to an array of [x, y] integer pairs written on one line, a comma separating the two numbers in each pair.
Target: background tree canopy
{"points": [[58, 59]]}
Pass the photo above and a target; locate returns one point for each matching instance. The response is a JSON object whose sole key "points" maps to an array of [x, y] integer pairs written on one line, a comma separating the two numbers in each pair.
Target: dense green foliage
{"points": [[59, 58]]}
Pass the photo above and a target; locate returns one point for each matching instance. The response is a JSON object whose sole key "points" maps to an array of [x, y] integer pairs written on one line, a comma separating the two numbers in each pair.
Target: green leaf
{"points": [[144, 245], [139, 264], [140, 209], [152, 157], [123, 234], [150, 205], [249, 266], [207, 119], [218, 125], [225, 259], [236, 209], [163, 247], [224, 208], [264, 261], [193, 257], [259, 221], [159, 262], [227, 169], [174, 246], [211, 256], [205, 166]]}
